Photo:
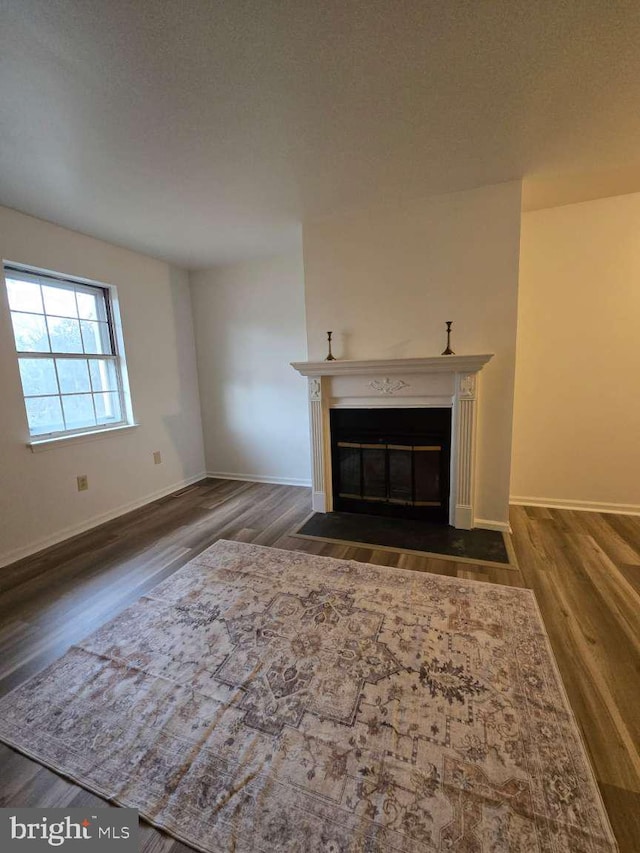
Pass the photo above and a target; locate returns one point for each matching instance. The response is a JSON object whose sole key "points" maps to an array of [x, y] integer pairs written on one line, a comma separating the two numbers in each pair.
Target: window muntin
{"points": [[67, 354]]}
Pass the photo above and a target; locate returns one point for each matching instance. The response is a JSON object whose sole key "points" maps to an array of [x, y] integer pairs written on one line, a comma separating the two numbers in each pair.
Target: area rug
{"points": [[263, 700]]}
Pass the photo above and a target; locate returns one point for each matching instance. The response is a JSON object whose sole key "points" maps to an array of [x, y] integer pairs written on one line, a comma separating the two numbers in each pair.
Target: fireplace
{"points": [[446, 474], [392, 462]]}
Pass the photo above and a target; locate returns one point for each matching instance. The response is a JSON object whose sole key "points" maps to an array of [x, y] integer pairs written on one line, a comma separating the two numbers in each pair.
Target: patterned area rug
{"points": [[263, 700]]}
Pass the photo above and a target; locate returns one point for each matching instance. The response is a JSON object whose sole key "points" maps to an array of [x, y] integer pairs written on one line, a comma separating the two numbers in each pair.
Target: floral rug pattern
{"points": [[263, 700]]}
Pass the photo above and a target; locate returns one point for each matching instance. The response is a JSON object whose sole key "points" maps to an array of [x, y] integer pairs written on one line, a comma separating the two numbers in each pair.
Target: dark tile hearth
{"points": [[407, 534]]}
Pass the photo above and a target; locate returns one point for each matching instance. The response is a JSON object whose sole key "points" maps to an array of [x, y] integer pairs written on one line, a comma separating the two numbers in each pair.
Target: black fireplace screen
{"points": [[383, 465], [397, 473]]}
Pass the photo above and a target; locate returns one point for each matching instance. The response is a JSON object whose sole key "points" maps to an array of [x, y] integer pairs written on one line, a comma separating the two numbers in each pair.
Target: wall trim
{"points": [[490, 524], [257, 478], [581, 506], [95, 521]]}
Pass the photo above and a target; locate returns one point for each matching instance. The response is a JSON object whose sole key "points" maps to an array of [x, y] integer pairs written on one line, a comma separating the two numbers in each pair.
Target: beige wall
{"points": [[577, 406], [39, 501], [249, 322], [386, 279]]}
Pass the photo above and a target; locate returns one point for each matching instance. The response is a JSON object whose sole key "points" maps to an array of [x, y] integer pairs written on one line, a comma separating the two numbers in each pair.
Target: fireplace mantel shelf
{"points": [[433, 364]]}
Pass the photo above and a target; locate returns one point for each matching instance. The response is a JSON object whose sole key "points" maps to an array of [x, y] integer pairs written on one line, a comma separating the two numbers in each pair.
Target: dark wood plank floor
{"points": [[584, 568]]}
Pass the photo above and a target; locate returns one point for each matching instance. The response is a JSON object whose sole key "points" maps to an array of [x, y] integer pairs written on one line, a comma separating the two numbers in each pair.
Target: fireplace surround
{"points": [[450, 382]]}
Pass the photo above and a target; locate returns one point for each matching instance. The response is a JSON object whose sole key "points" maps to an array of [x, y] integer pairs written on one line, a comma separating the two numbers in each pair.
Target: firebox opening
{"points": [[392, 462]]}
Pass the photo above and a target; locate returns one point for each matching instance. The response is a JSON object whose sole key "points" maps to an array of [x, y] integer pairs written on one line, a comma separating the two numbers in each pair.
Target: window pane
{"points": [[30, 332], [107, 408], [70, 372], [44, 414], [38, 376], [59, 300], [24, 296], [78, 411], [103, 375], [65, 334], [95, 337], [91, 305], [73, 375]]}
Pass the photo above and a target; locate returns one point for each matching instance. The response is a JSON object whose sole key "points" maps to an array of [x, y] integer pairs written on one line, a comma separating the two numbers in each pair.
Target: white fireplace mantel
{"points": [[440, 381]]}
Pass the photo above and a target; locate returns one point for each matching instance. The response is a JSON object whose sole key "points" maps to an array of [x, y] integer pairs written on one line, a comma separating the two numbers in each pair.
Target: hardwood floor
{"points": [[583, 567]]}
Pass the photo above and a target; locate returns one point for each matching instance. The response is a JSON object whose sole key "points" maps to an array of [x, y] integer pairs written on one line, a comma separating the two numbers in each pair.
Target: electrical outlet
{"points": [[83, 483], [157, 457]]}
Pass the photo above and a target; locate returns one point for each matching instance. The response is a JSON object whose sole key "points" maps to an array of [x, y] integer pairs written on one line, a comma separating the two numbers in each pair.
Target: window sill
{"points": [[38, 445]]}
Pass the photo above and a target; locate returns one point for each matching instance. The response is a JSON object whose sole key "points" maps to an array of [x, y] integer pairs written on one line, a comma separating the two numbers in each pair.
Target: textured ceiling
{"points": [[205, 132]]}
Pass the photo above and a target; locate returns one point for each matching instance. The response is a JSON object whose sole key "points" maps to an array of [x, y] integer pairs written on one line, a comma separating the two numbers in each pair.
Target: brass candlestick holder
{"points": [[448, 350], [330, 357]]}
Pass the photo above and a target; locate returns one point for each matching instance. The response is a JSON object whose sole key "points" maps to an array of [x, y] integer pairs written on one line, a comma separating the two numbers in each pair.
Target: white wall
{"points": [[386, 279], [577, 406], [249, 324], [39, 501]]}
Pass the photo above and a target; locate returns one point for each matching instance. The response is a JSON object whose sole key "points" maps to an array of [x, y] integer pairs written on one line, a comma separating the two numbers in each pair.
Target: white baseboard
{"points": [[257, 478], [582, 506], [95, 521], [489, 524]]}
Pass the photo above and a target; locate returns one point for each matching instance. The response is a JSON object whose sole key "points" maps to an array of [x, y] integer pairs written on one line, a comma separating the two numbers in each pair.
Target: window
{"points": [[70, 365]]}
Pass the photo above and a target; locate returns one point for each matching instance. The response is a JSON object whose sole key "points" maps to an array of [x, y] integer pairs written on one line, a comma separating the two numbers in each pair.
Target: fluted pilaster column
{"points": [[318, 439], [465, 448]]}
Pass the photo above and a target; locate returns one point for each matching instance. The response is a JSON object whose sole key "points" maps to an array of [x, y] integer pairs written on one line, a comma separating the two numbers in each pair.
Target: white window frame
{"points": [[42, 441]]}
